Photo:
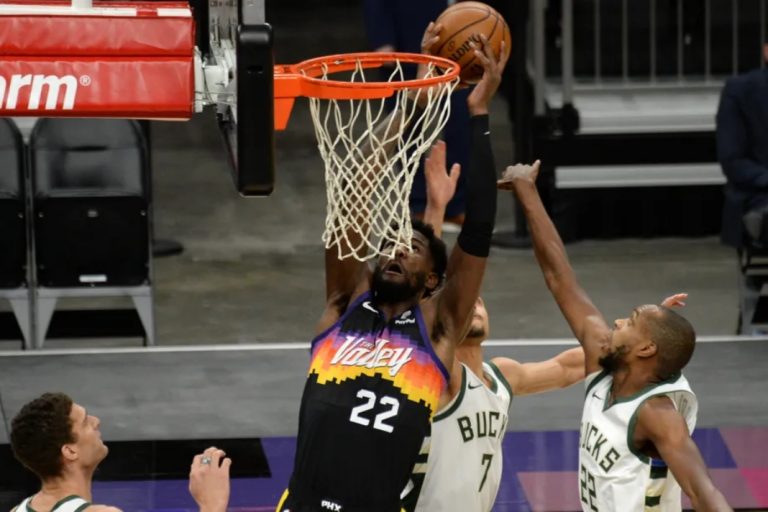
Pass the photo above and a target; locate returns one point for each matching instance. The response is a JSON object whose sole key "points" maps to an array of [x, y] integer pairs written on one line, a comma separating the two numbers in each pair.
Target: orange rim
{"points": [[302, 79]]}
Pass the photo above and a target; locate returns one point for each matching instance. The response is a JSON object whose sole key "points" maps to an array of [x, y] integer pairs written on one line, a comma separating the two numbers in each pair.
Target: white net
{"points": [[372, 149]]}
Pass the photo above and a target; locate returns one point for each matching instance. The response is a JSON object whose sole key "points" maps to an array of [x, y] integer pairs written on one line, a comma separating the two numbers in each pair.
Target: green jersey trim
{"points": [[658, 472], [652, 501], [674, 378], [60, 503], [633, 424], [502, 379], [600, 376], [456, 401]]}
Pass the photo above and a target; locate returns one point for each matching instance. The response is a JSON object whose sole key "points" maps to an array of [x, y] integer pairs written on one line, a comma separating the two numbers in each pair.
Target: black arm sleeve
{"points": [[475, 236]]}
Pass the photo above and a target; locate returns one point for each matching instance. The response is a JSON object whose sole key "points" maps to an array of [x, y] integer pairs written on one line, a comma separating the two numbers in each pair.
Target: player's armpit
{"points": [[661, 426], [338, 302], [330, 316], [561, 371]]}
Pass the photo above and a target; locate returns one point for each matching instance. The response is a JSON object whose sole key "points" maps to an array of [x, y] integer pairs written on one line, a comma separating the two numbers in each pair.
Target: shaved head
{"points": [[673, 335]]}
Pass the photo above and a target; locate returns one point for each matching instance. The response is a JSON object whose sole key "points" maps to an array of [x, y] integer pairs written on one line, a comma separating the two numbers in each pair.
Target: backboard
{"points": [[240, 40]]}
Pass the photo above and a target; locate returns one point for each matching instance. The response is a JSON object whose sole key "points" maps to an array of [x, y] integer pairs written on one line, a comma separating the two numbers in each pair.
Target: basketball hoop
{"points": [[370, 156]]}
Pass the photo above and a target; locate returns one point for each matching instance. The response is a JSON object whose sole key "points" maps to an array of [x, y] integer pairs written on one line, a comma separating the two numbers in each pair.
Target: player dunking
{"points": [[635, 449], [378, 367]]}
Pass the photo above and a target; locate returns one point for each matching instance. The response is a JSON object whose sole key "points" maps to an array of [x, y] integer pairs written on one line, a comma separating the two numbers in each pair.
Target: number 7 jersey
{"points": [[464, 468], [372, 388]]}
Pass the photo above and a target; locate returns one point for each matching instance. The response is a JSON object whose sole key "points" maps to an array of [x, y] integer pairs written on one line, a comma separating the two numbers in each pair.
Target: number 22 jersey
{"points": [[372, 388], [612, 474]]}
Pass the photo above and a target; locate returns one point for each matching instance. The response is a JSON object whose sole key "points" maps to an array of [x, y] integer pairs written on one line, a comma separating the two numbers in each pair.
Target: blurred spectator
{"points": [[398, 26], [742, 149]]}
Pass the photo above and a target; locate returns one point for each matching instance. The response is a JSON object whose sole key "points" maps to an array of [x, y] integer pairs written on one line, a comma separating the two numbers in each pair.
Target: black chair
{"points": [[753, 290], [13, 239], [92, 222], [13, 227]]}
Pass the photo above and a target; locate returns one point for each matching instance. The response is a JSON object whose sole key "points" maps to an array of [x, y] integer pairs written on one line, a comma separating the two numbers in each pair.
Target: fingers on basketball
{"points": [[431, 37], [467, 21]]}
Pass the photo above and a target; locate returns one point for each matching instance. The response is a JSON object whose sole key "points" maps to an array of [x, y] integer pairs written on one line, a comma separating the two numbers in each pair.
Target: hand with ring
{"points": [[209, 480]]}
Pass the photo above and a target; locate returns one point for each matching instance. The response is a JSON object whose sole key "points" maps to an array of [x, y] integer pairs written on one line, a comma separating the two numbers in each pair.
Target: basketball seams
{"points": [[490, 35], [465, 27], [460, 28]]}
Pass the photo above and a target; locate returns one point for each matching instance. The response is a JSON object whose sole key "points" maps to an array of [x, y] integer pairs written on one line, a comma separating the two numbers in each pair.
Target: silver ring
{"points": [[205, 460]]}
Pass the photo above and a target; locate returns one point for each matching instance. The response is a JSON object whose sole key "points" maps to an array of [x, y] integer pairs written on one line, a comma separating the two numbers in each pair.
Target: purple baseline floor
{"points": [[539, 474]]}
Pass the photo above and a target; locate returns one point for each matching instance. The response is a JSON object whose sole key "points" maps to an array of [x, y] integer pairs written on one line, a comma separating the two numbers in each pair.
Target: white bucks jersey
{"points": [[612, 475], [463, 470], [68, 504]]}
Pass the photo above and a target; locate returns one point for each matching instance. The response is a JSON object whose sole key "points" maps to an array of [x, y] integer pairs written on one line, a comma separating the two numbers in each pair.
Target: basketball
{"points": [[464, 22]]}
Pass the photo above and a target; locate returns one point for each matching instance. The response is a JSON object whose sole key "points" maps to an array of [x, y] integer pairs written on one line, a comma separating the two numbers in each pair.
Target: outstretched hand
{"points": [[441, 185], [481, 95], [675, 301], [428, 41], [519, 173], [431, 37]]}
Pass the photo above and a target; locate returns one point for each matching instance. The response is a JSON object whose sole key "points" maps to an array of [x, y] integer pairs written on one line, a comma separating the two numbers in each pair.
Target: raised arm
{"points": [[441, 186], [585, 320], [561, 371], [466, 264], [660, 423]]}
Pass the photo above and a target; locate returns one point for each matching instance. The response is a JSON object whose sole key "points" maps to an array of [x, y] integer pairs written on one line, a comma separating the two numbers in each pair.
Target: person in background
{"points": [[398, 26], [742, 148]]}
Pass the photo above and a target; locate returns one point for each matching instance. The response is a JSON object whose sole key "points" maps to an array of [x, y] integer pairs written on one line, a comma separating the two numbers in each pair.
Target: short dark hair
{"points": [[675, 340], [39, 431], [437, 249]]}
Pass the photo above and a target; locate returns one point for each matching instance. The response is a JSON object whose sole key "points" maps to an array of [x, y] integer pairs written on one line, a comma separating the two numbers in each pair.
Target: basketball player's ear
{"points": [[432, 281], [647, 349], [69, 453]]}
